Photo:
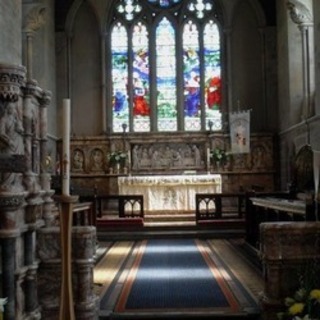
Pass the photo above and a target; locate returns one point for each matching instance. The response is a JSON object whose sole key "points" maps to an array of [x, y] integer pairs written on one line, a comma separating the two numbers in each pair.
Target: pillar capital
{"points": [[299, 13]]}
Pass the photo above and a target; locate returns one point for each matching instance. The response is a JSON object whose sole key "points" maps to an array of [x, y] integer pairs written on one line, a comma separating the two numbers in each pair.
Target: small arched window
{"points": [[165, 66]]}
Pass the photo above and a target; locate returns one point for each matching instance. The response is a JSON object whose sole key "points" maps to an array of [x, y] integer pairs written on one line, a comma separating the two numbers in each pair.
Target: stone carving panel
{"points": [[164, 156]]}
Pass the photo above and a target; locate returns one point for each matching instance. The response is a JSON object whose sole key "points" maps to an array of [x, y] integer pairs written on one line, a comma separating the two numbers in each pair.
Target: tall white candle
{"points": [[129, 159], [66, 148]]}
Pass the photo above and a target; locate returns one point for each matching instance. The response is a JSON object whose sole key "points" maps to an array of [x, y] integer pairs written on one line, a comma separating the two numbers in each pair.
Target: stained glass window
{"points": [[141, 90], [165, 66], [212, 75], [164, 3], [166, 76], [191, 77], [119, 43]]}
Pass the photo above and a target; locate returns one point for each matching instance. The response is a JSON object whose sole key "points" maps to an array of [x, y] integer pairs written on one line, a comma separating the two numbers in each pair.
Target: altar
{"points": [[170, 192]]}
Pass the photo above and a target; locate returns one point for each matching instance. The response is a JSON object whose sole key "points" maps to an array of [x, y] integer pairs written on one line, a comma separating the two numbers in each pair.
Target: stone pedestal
{"points": [[83, 251]]}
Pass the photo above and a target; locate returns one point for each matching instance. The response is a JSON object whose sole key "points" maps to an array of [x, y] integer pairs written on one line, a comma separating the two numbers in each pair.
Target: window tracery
{"points": [[158, 47]]}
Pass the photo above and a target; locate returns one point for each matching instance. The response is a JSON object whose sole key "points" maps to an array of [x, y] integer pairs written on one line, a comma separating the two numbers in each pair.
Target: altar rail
{"points": [[212, 205], [126, 206]]}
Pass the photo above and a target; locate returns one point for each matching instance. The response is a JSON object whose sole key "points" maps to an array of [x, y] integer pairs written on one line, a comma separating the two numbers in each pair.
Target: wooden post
{"points": [[66, 298]]}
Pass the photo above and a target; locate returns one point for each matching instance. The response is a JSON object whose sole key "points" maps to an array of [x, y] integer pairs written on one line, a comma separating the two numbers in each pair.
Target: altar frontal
{"points": [[170, 192]]}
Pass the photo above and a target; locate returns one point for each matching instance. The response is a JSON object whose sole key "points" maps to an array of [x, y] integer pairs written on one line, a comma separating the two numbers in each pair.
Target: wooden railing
{"points": [[126, 206], [211, 206]]}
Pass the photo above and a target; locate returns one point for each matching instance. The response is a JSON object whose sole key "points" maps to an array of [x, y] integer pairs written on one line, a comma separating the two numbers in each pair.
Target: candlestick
{"points": [[208, 159], [66, 148], [129, 158]]}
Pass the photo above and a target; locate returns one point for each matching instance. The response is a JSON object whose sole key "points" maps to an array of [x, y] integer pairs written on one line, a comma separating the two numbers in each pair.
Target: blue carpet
{"points": [[175, 274], [181, 279]]}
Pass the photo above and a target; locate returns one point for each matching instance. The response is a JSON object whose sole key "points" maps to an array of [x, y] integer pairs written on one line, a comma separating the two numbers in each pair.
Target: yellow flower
{"points": [[296, 308], [315, 294]]}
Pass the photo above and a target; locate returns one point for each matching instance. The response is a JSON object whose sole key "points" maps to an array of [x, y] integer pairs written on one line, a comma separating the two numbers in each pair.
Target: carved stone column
{"points": [[303, 18], [12, 195], [84, 239], [45, 160], [49, 251]]}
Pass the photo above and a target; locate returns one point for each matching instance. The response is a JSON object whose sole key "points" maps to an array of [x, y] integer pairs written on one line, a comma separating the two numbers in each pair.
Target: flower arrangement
{"points": [[218, 155], [117, 157], [305, 302], [304, 305]]}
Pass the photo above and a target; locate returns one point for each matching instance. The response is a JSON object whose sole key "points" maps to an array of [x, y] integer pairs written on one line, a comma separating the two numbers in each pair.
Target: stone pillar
{"points": [[11, 189], [10, 35], [34, 20], [302, 16], [316, 14], [83, 252], [84, 239], [45, 161]]}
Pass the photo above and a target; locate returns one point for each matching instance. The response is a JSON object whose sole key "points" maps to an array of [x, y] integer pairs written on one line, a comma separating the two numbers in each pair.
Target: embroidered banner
{"points": [[240, 131]]}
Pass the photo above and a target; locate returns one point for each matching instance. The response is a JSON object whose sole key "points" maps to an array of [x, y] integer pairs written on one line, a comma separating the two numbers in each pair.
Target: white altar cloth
{"points": [[170, 192]]}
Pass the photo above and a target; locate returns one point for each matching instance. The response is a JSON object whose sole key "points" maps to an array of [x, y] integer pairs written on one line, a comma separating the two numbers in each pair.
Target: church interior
{"points": [[159, 159]]}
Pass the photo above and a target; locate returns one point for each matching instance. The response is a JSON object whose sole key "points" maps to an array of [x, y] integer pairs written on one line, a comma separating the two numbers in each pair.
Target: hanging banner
{"points": [[240, 131]]}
